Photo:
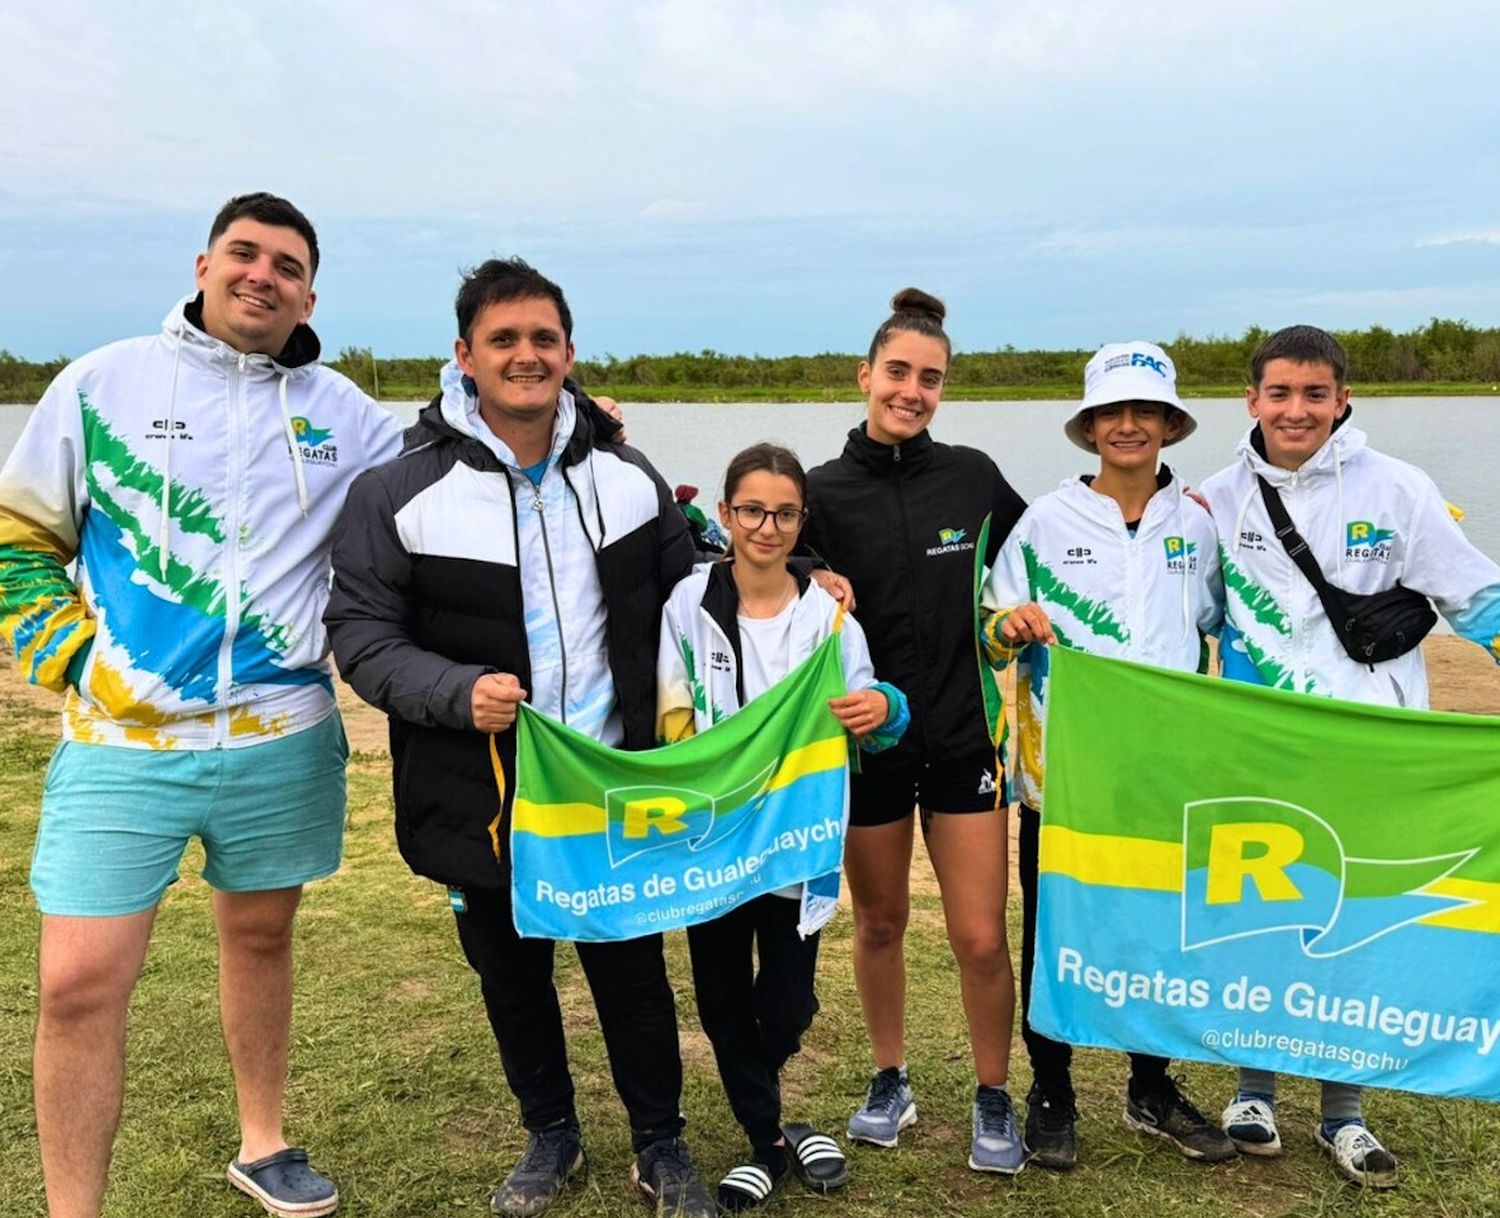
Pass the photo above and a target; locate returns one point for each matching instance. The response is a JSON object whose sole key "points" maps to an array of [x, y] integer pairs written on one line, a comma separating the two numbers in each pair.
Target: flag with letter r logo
{"points": [[607, 844], [1295, 884]]}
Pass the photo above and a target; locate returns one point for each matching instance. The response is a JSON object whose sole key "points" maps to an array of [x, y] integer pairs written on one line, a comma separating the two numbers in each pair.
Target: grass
{"points": [[397, 1089], [399, 392]]}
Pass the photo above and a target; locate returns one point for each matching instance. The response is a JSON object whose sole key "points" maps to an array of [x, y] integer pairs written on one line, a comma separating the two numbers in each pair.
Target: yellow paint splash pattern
{"points": [[52, 672], [78, 725], [1029, 726], [110, 692]]}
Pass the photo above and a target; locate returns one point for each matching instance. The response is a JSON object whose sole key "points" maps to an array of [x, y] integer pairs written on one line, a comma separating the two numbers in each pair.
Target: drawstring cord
{"points": [[291, 443], [1187, 613], [598, 507], [1239, 520], [164, 540], [578, 501]]}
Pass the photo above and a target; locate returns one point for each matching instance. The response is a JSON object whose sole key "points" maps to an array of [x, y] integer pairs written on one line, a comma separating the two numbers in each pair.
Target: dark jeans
{"points": [[1052, 1060], [637, 1014], [754, 1021]]}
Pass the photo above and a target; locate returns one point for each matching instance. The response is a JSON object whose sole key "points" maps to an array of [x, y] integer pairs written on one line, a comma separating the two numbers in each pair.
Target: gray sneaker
{"points": [[553, 1157], [888, 1109], [997, 1143], [664, 1174]]}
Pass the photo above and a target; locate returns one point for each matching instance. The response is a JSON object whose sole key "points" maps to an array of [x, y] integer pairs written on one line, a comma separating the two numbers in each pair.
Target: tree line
{"points": [[1439, 353]]}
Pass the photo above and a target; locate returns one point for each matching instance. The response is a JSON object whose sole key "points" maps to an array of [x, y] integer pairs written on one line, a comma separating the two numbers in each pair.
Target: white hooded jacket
{"points": [[1372, 522], [1150, 597], [698, 684], [197, 488]]}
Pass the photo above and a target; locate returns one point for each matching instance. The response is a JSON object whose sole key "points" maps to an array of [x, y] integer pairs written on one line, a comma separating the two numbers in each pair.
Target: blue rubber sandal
{"points": [[286, 1184]]}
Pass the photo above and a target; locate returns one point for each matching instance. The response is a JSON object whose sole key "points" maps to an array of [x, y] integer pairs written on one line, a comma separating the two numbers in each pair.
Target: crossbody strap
{"points": [[1299, 552]]}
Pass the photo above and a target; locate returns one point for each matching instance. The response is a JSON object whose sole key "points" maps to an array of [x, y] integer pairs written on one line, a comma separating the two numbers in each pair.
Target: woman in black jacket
{"points": [[908, 520]]}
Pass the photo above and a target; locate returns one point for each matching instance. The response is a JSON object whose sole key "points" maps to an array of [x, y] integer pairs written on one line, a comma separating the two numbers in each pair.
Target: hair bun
{"points": [[914, 300]]}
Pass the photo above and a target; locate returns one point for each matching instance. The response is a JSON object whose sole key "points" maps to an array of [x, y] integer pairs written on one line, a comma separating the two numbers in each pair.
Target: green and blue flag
{"points": [[607, 844], [1268, 879]]}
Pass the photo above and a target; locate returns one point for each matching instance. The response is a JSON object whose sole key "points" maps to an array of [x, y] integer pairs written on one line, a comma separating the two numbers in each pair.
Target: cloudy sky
{"points": [[760, 177]]}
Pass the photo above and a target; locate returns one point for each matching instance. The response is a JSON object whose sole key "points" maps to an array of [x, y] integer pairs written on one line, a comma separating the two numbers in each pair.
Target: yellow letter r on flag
{"points": [[1231, 861], [660, 812]]}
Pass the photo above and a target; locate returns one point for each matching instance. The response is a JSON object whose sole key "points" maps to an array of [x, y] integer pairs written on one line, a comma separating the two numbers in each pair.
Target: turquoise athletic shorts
{"points": [[115, 821]]}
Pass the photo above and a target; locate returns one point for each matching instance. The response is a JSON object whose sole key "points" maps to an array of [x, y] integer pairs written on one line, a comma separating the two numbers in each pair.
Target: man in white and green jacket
{"points": [[164, 526]]}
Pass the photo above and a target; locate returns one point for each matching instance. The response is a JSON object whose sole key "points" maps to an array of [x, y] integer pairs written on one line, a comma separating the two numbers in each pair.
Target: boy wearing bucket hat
{"points": [[1119, 563]]}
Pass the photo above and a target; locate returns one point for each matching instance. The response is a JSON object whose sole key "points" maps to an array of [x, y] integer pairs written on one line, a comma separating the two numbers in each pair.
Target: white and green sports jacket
{"points": [[698, 681], [1372, 521], [196, 489], [1150, 597]]}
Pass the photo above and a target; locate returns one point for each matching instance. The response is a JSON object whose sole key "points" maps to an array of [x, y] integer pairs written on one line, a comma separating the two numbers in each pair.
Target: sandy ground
{"points": [[1462, 678]]}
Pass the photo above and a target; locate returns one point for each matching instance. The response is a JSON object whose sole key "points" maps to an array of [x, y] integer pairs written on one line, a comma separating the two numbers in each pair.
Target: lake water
{"points": [[692, 442]]}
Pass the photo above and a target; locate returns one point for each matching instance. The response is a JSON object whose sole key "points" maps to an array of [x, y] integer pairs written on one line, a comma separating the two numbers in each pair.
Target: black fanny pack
{"points": [[1372, 628]]}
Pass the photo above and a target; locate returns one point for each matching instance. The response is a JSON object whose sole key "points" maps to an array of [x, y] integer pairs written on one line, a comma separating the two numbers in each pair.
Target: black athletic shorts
{"points": [[884, 794]]}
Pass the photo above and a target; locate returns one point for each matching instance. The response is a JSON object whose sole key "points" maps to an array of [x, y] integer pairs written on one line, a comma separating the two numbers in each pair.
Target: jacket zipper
{"points": [[916, 616], [562, 645], [231, 558]]}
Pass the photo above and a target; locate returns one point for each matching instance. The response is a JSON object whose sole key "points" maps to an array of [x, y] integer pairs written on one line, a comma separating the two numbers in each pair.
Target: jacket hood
{"points": [[1326, 469], [184, 324], [721, 601], [1346, 442], [454, 413], [885, 458], [1080, 493], [721, 595], [298, 360]]}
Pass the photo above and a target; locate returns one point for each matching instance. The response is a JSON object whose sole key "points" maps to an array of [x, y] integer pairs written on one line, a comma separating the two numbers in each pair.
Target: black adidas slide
{"points": [[817, 1158], [750, 1185]]}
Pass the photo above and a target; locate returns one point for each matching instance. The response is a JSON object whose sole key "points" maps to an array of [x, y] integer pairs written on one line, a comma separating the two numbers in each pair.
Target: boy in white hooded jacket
{"points": [[1122, 564], [1371, 522]]}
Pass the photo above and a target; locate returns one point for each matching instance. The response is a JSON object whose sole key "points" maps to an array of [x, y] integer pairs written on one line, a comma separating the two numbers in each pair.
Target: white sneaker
{"points": [[1358, 1154], [1250, 1122]]}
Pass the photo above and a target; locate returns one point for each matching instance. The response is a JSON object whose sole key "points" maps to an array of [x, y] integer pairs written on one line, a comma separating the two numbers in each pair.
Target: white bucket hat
{"points": [[1128, 372]]}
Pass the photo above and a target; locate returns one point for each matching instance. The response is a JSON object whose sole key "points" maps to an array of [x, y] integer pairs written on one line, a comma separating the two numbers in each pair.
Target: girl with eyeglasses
{"points": [[730, 631], [908, 521]]}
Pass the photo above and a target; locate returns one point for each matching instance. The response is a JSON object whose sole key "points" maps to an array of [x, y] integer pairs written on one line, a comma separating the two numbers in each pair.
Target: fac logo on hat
{"points": [[1128, 372]]}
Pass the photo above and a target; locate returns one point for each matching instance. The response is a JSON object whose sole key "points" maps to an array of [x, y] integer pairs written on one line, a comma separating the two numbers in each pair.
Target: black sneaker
{"points": [[664, 1173], [1050, 1139], [1164, 1112], [553, 1157]]}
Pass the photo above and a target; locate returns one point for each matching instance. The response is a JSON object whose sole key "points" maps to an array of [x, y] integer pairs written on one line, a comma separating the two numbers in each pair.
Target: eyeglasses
{"points": [[751, 516]]}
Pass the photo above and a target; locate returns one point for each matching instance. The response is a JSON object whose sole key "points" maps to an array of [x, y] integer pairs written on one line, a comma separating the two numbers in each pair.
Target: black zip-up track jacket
{"points": [[427, 597], [902, 522]]}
